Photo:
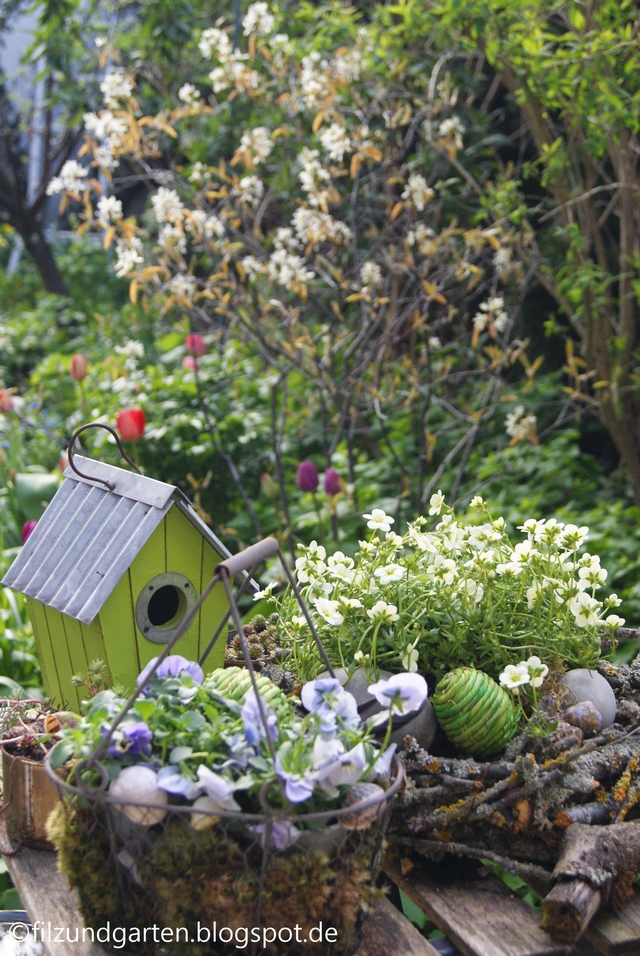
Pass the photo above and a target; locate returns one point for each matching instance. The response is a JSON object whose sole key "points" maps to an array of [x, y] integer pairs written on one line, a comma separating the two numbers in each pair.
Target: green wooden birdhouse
{"points": [[111, 569]]}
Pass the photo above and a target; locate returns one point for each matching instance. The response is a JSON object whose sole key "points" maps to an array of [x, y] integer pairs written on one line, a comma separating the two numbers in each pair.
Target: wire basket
{"points": [[172, 877]]}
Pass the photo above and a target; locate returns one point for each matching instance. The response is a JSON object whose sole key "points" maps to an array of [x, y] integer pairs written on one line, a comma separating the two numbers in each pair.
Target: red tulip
{"points": [[79, 367], [6, 401], [63, 463], [28, 528], [130, 423], [189, 362], [332, 482], [196, 345], [269, 486], [307, 476]]}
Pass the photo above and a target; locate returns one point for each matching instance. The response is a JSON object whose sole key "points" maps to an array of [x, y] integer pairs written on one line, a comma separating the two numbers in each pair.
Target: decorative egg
{"points": [[476, 714], [361, 819], [584, 715], [139, 784], [202, 821], [582, 684]]}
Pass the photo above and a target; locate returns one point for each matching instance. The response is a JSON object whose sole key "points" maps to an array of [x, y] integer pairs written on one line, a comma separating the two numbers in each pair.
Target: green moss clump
{"points": [[185, 877]]}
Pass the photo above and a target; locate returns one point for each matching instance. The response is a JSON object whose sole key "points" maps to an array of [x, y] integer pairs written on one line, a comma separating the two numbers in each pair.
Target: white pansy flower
{"points": [[514, 676], [329, 611], [390, 573], [378, 520], [381, 611]]}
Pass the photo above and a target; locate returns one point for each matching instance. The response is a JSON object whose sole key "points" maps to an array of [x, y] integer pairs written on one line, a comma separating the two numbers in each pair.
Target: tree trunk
{"points": [[36, 244]]}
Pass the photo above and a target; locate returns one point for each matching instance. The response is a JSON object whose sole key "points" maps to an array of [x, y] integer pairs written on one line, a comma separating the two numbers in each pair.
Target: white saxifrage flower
{"points": [[381, 611], [585, 609], [390, 573], [536, 669], [329, 611], [436, 502], [378, 520], [514, 676]]}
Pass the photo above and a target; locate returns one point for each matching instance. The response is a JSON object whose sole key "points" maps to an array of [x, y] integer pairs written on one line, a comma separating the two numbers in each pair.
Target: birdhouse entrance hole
{"points": [[162, 604]]}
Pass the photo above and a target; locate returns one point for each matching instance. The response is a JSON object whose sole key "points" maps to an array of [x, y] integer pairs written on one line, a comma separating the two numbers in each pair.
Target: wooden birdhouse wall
{"points": [[66, 646]]}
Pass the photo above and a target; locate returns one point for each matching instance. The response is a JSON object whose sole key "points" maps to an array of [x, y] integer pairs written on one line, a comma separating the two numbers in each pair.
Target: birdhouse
{"points": [[110, 571]]}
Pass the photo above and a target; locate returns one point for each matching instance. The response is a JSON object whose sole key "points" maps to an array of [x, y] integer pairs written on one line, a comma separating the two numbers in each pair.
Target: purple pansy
{"points": [[283, 833], [298, 787], [253, 722], [172, 666], [402, 693], [327, 698], [133, 738], [346, 768], [176, 783]]}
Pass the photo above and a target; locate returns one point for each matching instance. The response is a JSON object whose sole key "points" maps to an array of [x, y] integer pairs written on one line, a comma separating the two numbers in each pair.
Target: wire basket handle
{"points": [[112, 431], [224, 573]]}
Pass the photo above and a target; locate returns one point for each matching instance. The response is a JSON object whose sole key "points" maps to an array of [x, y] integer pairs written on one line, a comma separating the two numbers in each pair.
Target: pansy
{"points": [[298, 785], [217, 788], [283, 833], [402, 693], [252, 719], [131, 738], [176, 783], [345, 768], [172, 666]]}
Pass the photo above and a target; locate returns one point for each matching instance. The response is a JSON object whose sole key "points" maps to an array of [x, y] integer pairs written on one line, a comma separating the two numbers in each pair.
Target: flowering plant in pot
{"points": [[218, 799]]}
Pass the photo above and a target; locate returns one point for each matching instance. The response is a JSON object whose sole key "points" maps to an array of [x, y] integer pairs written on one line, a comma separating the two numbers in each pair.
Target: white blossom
{"points": [[491, 314], [116, 86], [167, 206], [281, 49], [518, 425], [436, 502], [614, 621], [573, 537], [335, 142], [410, 657], [341, 567], [257, 142], [452, 129], [183, 286], [346, 66], [258, 20], [172, 240], [585, 609], [370, 275], [128, 256], [434, 343], [417, 192], [109, 210], [250, 190], [71, 178], [215, 42], [502, 261], [199, 173], [536, 669], [287, 269], [313, 227], [313, 176], [252, 267], [189, 94], [313, 80]]}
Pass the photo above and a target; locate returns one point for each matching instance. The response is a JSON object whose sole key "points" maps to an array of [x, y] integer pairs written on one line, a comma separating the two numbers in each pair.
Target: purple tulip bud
{"points": [[332, 482], [307, 476], [27, 529]]}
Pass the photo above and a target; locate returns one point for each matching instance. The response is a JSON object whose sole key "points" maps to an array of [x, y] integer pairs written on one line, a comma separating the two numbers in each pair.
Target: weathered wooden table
{"points": [[480, 916]]}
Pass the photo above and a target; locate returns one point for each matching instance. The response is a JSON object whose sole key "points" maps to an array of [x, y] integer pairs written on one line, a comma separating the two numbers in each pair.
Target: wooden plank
{"points": [[67, 696], [480, 917], [94, 642], [184, 555], [118, 629], [75, 645], [151, 561], [47, 898], [44, 649], [617, 934], [386, 931]]}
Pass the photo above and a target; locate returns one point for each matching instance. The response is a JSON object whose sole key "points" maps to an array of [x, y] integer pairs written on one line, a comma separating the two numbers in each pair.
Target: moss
{"points": [[186, 877]]}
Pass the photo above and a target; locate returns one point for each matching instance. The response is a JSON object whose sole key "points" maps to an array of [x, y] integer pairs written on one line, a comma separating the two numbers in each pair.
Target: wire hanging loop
{"points": [[112, 431]]}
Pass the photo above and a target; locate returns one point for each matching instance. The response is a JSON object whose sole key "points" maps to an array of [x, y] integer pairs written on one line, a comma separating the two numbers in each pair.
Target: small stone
{"points": [[582, 684], [422, 726], [584, 715]]}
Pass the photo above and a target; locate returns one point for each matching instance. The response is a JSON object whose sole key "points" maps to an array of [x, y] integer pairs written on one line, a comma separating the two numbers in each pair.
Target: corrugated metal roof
{"points": [[89, 536]]}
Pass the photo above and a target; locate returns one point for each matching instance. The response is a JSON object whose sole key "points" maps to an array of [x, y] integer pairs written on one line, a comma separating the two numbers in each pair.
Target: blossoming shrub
{"points": [[455, 594]]}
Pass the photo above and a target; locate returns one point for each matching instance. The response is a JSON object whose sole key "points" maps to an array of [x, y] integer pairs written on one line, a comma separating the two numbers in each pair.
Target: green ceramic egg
{"points": [[476, 714]]}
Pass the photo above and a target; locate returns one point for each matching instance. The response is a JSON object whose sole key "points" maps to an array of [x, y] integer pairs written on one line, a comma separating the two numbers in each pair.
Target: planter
{"points": [[30, 796]]}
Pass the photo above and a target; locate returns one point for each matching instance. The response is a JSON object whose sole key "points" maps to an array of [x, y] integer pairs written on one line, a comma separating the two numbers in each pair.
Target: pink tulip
{"points": [[79, 367], [6, 401], [130, 423], [189, 362], [196, 345]]}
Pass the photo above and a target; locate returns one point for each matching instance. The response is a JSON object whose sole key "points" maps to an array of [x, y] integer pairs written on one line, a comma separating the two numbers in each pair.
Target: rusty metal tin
{"points": [[31, 795]]}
